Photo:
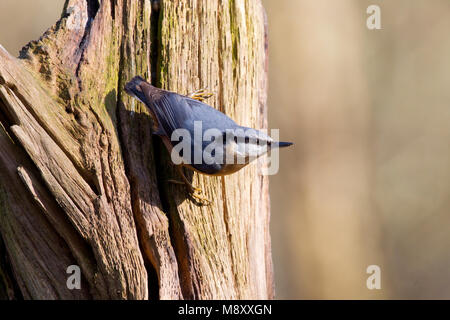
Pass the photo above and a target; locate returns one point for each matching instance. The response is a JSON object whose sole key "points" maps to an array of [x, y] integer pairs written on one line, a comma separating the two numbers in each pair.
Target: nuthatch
{"points": [[171, 111]]}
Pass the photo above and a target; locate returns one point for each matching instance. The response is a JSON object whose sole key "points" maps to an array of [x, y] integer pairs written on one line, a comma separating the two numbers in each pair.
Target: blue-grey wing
{"points": [[175, 111], [171, 112], [210, 117]]}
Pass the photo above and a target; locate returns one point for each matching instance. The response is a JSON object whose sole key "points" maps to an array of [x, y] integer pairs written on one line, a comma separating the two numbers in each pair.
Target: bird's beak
{"points": [[282, 144]]}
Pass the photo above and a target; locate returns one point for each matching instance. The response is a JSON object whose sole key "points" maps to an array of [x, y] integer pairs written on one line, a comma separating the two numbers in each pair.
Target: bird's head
{"points": [[250, 144]]}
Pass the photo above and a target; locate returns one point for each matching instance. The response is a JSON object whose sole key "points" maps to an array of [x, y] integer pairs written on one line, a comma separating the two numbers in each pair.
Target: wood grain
{"points": [[83, 181]]}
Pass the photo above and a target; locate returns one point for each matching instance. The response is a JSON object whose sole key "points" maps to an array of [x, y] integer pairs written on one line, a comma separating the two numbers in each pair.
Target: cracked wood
{"points": [[84, 182]]}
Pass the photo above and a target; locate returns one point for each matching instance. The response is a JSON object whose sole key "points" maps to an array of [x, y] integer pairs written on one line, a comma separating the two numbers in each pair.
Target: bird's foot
{"points": [[197, 196], [194, 192], [201, 95]]}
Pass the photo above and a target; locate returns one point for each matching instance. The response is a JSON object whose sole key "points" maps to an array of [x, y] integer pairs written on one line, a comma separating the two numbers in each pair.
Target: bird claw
{"points": [[194, 192], [201, 95], [197, 190], [200, 199]]}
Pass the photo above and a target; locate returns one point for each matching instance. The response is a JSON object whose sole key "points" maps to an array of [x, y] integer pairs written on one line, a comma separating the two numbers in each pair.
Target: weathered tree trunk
{"points": [[82, 180]]}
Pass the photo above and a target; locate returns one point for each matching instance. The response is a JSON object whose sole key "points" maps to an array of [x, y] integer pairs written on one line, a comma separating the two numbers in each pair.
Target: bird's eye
{"points": [[257, 141], [247, 139], [235, 139], [269, 143]]}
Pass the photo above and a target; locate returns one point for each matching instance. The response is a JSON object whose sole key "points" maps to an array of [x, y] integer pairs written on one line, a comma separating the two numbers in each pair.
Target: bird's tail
{"points": [[135, 89]]}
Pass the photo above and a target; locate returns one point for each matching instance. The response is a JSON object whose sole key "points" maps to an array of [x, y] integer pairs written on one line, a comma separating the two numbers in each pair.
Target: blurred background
{"points": [[368, 180]]}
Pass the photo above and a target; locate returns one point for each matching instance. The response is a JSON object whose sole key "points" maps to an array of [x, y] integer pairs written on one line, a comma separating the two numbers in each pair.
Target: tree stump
{"points": [[83, 181]]}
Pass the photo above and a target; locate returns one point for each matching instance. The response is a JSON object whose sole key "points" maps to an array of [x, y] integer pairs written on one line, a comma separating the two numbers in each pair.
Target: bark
{"points": [[83, 181]]}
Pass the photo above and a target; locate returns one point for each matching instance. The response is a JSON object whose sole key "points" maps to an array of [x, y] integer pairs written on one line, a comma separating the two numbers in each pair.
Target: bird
{"points": [[230, 147]]}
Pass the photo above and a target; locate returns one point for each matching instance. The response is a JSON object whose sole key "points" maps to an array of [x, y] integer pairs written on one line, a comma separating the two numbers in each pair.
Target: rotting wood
{"points": [[84, 182]]}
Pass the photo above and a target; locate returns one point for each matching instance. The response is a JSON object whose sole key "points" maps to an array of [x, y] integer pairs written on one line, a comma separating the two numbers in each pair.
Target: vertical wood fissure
{"points": [[92, 9], [102, 173]]}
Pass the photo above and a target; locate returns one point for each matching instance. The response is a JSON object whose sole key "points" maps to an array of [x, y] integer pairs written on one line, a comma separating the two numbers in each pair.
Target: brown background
{"points": [[368, 180]]}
